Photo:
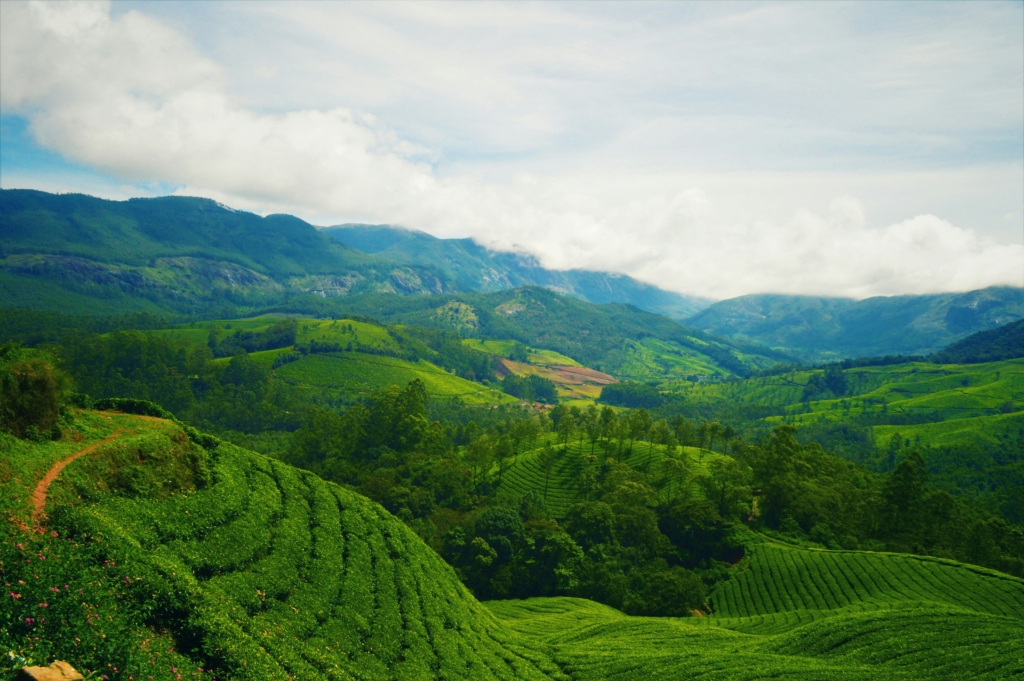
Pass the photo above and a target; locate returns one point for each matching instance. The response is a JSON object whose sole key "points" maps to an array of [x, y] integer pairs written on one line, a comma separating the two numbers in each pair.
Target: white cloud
{"points": [[132, 97]]}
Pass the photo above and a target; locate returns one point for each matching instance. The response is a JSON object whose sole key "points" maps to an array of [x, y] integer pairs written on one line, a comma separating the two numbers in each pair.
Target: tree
{"points": [[566, 428], [683, 429], [591, 523], [639, 424], [548, 457], [727, 487], [835, 380], [609, 422], [702, 434], [676, 473], [30, 396], [674, 592], [661, 434], [480, 456], [902, 496], [502, 452], [556, 564], [592, 425]]}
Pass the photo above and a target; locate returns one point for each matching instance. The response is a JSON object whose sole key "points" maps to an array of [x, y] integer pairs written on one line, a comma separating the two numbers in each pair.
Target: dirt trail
{"points": [[39, 495]]}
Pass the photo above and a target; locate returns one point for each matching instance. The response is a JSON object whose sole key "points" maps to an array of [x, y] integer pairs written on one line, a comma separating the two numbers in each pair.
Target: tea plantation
{"points": [[796, 613], [560, 486], [162, 559]]}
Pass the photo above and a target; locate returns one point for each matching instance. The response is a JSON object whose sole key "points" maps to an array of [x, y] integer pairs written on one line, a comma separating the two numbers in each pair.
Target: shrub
{"points": [[30, 397]]}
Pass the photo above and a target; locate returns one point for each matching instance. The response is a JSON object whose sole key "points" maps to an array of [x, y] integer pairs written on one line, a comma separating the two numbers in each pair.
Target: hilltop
{"points": [[479, 269]]}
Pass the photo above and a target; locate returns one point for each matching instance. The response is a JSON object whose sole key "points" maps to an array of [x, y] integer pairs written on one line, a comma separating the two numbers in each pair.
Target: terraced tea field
{"points": [[290, 577], [355, 373], [779, 579], [526, 473], [266, 572], [794, 613]]}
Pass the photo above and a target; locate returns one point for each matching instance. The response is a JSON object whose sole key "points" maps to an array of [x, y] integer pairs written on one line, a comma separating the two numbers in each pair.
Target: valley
{"points": [[239, 447]]}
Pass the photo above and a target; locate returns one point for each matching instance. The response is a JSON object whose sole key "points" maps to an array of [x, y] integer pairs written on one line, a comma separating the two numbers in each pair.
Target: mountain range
{"points": [[823, 328], [476, 268], [189, 256]]}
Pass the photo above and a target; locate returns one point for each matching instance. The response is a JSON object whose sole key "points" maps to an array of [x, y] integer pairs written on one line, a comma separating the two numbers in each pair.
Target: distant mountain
{"points": [[476, 268], [1005, 342], [823, 328], [177, 254]]}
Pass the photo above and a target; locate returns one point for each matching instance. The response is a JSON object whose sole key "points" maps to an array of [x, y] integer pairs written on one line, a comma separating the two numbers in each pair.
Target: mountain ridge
{"points": [[479, 269], [820, 327]]}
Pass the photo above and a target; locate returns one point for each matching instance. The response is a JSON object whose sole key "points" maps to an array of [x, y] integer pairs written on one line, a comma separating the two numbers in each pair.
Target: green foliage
{"points": [[1006, 342], [632, 395], [593, 335], [532, 388], [279, 335], [31, 392], [477, 268]]}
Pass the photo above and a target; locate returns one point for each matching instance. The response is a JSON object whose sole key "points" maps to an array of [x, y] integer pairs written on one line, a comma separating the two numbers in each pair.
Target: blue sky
{"points": [[712, 148]]}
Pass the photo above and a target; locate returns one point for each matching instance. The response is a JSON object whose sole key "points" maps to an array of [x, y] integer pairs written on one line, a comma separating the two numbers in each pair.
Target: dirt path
{"points": [[39, 495]]}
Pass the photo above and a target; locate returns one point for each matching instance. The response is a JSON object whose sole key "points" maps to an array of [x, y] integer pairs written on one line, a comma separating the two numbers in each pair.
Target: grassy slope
{"points": [[281, 575], [797, 613], [180, 255]]}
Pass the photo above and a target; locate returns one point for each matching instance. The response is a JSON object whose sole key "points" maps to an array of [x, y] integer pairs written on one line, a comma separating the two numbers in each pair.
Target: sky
{"points": [[710, 148]]}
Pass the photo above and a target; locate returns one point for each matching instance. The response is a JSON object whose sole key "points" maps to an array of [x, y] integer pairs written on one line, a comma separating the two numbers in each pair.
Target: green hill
{"points": [[795, 613], [834, 328], [897, 394], [177, 254], [354, 373], [1006, 342], [479, 269], [604, 337], [355, 358], [262, 571]]}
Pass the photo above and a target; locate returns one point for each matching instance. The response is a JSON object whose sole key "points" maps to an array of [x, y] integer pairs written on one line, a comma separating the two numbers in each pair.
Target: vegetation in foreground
{"points": [[773, 540], [163, 558]]}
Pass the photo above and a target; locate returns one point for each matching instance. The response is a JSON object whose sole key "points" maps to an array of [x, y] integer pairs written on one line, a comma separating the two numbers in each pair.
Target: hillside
{"points": [[560, 487], [250, 570], [343, 359], [604, 337], [177, 254], [823, 328], [479, 269], [1005, 342], [161, 558], [795, 613]]}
